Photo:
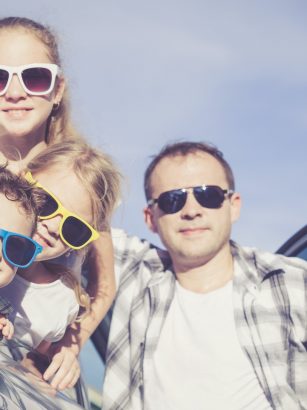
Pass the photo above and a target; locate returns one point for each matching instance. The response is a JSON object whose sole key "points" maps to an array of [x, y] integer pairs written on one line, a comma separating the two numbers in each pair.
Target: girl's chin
{"points": [[14, 132]]}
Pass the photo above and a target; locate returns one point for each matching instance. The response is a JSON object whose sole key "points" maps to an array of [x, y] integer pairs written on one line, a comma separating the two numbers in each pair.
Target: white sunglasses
{"points": [[36, 79]]}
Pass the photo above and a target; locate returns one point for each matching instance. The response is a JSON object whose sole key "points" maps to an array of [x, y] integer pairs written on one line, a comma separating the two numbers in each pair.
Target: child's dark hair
{"points": [[17, 189]]}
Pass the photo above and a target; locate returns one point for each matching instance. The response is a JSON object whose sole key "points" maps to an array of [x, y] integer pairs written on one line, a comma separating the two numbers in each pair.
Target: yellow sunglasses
{"points": [[74, 231]]}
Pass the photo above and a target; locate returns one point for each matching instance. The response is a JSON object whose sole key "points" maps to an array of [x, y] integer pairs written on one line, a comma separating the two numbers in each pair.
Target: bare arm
{"points": [[43, 347], [101, 288]]}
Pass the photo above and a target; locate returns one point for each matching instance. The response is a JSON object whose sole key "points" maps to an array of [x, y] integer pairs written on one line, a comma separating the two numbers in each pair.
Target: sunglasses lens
{"points": [[209, 197], [4, 76], [49, 206], [37, 79], [75, 232], [19, 250], [172, 201]]}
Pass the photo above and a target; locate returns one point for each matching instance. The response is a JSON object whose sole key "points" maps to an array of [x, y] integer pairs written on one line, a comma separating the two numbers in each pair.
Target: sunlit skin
{"points": [[12, 218], [197, 238], [23, 117]]}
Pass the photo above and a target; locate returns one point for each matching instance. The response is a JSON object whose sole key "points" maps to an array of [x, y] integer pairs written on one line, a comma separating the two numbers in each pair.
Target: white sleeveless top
{"points": [[42, 311], [199, 364]]}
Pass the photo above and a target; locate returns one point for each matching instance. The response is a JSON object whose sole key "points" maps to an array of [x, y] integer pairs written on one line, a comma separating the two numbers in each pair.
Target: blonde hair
{"points": [[95, 170], [59, 126]]}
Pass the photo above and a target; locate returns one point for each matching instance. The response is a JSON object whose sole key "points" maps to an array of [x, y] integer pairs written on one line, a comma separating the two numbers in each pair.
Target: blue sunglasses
{"points": [[19, 250]]}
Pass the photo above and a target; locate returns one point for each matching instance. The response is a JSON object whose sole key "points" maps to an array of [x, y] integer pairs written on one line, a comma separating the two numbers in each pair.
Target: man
{"points": [[207, 325]]}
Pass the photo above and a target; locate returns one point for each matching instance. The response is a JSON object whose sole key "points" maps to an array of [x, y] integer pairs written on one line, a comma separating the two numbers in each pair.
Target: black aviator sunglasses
{"points": [[208, 196]]}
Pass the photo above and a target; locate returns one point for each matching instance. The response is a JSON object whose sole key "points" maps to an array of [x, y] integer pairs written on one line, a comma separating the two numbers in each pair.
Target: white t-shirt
{"points": [[42, 311], [199, 363]]}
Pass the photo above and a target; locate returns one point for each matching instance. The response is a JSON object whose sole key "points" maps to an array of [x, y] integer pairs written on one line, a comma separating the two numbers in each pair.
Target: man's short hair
{"points": [[17, 189], [183, 149]]}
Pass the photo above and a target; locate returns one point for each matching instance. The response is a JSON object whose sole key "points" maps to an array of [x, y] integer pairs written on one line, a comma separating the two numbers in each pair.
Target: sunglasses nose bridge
{"points": [[15, 87], [60, 211], [53, 223], [191, 205]]}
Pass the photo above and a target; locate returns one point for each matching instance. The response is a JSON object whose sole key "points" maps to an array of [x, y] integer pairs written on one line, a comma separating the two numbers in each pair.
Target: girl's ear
{"points": [[59, 90]]}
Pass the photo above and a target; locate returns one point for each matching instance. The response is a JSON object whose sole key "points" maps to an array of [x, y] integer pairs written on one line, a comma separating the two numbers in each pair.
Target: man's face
{"points": [[194, 235], [12, 218]]}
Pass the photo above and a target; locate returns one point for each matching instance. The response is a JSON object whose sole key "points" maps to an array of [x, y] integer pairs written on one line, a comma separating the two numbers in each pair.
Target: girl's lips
{"points": [[15, 108], [16, 113]]}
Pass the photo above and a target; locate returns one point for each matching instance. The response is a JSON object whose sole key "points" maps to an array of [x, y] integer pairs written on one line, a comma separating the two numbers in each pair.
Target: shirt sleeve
{"points": [[126, 249]]}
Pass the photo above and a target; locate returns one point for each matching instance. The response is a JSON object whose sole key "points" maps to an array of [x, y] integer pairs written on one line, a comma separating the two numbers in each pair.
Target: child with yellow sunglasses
{"points": [[80, 186]]}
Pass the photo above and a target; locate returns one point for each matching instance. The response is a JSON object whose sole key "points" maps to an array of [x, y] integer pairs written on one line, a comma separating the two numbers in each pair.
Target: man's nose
{"points": [[191, 208]]}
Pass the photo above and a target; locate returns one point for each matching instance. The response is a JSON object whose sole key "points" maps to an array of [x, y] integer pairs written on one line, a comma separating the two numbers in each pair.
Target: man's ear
{"points": [[149, 219], [235, 203]]}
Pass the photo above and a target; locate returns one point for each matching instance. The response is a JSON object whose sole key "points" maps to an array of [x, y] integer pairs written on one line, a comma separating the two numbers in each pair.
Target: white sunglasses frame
{"points": [[53, 68]]}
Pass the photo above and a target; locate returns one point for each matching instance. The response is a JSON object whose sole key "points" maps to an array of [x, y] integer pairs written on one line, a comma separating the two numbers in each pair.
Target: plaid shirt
{"points": [[269, 299]]}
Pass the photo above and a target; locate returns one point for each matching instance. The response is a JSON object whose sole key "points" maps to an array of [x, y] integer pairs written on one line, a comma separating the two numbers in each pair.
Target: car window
{"points": [[296, 245], [92, 369], [20, 389], [303, 254]]}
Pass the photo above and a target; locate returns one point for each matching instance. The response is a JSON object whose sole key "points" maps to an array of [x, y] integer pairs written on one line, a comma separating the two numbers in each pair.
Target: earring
{"points": [[55, 109], [68, 253]]}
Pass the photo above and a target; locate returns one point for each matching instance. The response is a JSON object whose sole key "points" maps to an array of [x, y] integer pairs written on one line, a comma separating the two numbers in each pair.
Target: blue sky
{"points": [[233, 73]]}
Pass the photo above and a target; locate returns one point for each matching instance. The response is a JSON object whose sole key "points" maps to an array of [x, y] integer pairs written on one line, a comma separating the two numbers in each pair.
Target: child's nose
{"points": [[52, 225], [15, 89]]}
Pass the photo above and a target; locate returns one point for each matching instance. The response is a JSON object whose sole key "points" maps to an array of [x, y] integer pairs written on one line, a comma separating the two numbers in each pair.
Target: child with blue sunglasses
{"points": [[19, 204]]}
